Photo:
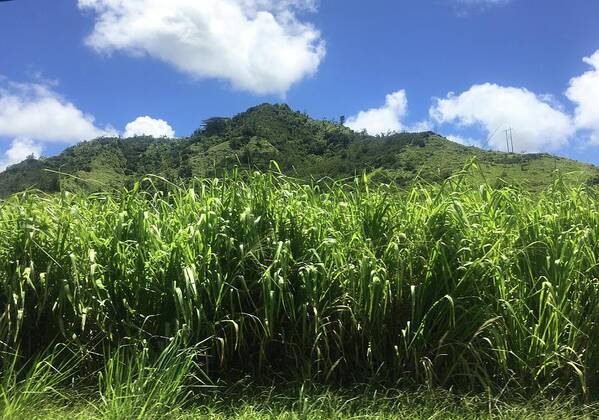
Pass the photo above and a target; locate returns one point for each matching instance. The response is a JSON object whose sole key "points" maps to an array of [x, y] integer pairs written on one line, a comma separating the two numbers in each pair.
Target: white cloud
{"points": [[147, 126], [537, 125], [33, 114], [382, 120], [257, 45], [19, 150], [584, 92], [420, 126], [36, 112], [464, 141]]}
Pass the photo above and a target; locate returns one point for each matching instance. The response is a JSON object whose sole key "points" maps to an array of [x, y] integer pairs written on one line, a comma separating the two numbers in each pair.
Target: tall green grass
{"points": [[29, 385], [135, 385], [458, 285]]}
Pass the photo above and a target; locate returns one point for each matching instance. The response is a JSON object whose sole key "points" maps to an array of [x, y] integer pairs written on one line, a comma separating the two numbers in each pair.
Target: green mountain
{"points": [[302, 147]]}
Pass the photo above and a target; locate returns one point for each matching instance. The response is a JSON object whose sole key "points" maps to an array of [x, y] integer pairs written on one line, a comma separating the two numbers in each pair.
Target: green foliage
{"points": [[215, 127], [136, 385], [458, 285], [309, 402], [303, 147], [30, 385]]}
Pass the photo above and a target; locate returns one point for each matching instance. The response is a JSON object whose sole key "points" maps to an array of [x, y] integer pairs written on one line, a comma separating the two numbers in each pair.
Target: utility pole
{"points": [[509, 140]]}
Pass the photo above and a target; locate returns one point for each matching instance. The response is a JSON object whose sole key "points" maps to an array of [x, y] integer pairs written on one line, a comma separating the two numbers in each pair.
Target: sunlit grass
{"points": [[459, 286], [29, 385], [364, 402]]}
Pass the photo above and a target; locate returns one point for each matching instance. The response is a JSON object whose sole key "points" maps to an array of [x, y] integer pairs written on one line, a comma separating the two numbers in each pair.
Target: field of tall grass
{"points": [[146, 299]]}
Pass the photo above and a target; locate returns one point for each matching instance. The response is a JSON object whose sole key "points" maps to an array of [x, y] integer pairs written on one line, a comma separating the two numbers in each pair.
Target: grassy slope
{"points": [[302, 146]]}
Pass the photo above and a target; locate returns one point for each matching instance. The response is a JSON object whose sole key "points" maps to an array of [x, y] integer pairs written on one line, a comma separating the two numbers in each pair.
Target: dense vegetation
{"points": [[147, 295], [303, 147]]}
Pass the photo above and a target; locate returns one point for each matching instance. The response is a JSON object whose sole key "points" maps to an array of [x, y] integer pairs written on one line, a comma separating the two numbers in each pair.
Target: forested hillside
{"points": [[302, 147]]}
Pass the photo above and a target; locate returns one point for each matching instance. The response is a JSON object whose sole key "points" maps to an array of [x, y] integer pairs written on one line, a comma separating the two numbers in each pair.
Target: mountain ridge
{"points": [[303, 147]]}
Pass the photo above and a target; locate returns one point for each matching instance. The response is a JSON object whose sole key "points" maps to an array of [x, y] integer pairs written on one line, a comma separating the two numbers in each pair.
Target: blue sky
{"points": [[76, 69]]}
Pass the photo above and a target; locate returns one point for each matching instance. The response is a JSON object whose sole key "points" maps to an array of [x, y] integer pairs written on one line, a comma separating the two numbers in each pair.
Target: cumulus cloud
{"points": [[420, 127], [33, 114], [35, 111], [388, 118], [257, 45], [537, 125], [465, 141], [584, 92], [19, 150], [147, 126]]}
